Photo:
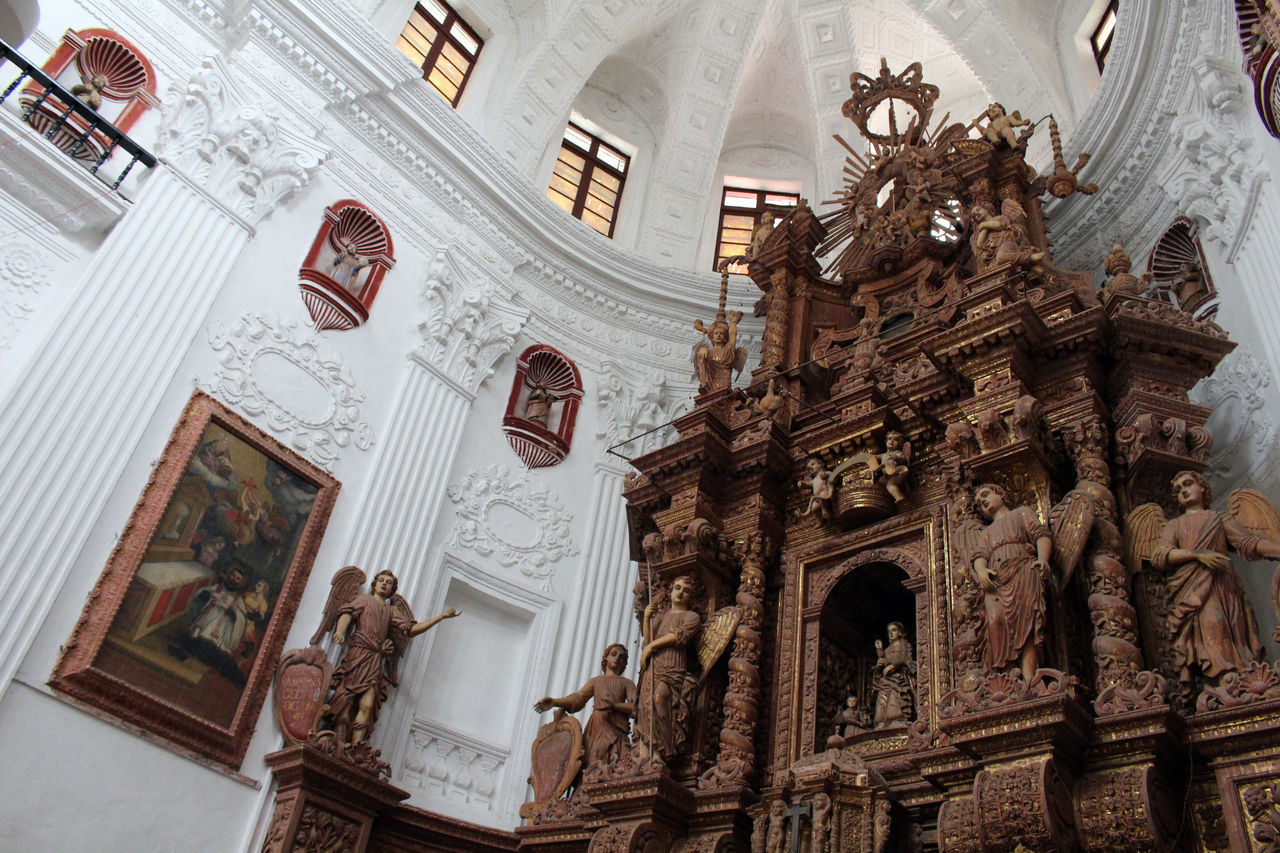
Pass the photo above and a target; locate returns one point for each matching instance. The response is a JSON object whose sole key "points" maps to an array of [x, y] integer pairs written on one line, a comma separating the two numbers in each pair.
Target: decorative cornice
{"points": [[239, 152], [470, 323]]}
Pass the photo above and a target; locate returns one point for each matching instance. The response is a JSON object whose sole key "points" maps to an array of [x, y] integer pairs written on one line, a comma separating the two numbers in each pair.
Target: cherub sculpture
{"points": [[1211, 625], [667, 681], [346, 267], [717, 359], [821, 821], [891, 465], [607, 735], [777, 827], [821, 484], [376, 628], [1009, 561], [1003, 239], [1001, 127], [894, 680], [90, 90]]}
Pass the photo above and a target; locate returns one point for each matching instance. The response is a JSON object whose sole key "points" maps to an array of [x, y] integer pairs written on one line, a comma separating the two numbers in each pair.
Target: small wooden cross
{"points": [[795, 812]]}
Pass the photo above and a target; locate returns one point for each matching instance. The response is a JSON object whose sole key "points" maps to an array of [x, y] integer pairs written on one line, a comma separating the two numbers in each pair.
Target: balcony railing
{"points": [[69, 123]]}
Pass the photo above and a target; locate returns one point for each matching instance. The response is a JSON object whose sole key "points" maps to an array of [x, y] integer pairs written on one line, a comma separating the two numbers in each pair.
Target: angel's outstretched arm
{"points": [[428, 624]]}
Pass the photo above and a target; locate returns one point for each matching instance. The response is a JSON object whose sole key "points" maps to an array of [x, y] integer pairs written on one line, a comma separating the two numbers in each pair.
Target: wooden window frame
{"points": [[593, 162], [444, 34], [754, 212], [1100, 54]]}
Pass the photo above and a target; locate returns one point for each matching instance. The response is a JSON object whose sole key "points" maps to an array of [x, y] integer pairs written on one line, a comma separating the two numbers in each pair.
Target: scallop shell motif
{"points": [[122, 68], [361, 227], [1176, 247], [550, 371]]}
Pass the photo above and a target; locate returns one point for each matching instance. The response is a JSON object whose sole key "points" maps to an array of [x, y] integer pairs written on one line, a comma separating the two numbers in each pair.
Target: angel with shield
{"points": [[376, 628], [1211, 625], [667, 686]]}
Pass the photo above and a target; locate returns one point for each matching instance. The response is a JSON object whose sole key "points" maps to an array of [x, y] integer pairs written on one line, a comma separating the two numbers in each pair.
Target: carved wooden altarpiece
{"points": [[940, 331]]}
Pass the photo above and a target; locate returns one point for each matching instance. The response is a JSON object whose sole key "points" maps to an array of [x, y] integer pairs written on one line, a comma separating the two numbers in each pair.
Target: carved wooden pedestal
{"points": [[324, 803]]}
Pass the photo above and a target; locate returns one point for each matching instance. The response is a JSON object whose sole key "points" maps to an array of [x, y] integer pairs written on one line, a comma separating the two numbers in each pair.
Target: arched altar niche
{"points": [[851, 608], [111, 71], [1180, 272], [543, 407], [343, 271]]}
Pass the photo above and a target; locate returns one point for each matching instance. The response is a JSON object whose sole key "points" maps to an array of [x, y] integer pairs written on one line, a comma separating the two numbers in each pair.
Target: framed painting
{"points": [[181, 634]]}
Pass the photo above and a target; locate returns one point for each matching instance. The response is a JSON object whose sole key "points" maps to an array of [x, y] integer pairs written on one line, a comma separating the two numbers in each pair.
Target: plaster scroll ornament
{"points": [[719, 358], [268, 371], [1211, 626], [375, 629], [634, 405], [504, 515], [1245, 434], [1009, 561], [241, 153], [607, 737], [470, 323]]}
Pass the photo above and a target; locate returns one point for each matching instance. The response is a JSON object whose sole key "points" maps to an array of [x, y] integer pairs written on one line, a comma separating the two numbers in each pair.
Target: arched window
{"points": [[1179, 272], [543, 406], [343, 271], [104, 70]]}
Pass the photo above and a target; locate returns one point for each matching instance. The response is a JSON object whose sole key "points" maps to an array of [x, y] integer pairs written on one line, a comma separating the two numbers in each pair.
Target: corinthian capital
{"points": [[630, 404], [470, 323], [240, 152]]}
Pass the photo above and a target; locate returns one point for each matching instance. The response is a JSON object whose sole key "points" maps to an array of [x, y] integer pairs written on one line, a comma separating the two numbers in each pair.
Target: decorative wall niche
{"points": [[543, 407], [1179, 272], [344, 269], [105, 71]]}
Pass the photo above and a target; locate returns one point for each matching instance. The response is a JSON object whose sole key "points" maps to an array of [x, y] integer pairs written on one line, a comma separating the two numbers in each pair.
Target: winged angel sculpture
{"points": [[1211, 626], [375, 627], [667, 684]]}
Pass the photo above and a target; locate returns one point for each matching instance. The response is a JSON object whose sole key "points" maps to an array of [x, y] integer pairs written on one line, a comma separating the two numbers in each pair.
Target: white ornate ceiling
{"points": [[760, 81]]}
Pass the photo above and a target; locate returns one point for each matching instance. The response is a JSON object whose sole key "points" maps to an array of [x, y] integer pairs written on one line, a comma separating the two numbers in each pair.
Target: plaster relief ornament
{"points": [[668, 681], [1009, 560], [607, 737], [375, 628], [1210, 623], [719, 358]]}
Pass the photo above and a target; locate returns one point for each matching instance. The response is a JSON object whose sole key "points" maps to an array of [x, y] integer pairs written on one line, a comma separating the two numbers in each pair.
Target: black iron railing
{"points": [[78, 137]]}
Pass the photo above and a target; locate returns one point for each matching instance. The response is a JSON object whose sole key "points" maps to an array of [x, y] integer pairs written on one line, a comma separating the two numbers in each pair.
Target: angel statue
{"points": [[719, 358], [376, 628], [667, 685], [1212, 628], [1009, 560], [607, 735], [892, 465], [822, 484], [1000, 126]]}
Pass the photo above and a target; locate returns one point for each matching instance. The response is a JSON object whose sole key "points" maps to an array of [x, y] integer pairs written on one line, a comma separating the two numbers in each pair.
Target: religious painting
{"points": [[182, 631]]}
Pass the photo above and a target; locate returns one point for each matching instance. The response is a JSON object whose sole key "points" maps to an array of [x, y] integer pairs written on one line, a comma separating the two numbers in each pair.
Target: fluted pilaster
{"points": [[75, 421]]}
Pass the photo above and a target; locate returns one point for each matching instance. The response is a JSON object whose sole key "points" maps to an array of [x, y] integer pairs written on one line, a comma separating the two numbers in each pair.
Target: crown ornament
{"points": [[907, 87]]}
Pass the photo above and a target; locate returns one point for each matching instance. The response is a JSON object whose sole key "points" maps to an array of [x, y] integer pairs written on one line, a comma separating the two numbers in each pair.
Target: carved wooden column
{"points": [[72, 425]]}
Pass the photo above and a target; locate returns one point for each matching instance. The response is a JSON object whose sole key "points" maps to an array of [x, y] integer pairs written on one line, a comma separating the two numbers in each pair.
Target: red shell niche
{"points": [[105, 71], [543, 406], [342, 273]]}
